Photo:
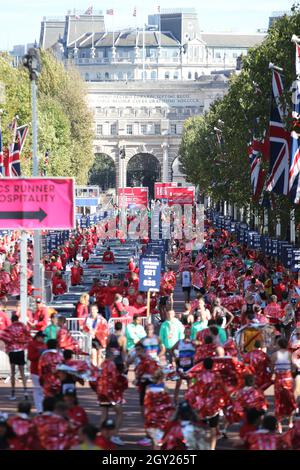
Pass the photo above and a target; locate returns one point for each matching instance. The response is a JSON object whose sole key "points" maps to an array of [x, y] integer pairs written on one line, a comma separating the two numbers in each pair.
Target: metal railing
{"points": [[74, 324], [125, 321]]}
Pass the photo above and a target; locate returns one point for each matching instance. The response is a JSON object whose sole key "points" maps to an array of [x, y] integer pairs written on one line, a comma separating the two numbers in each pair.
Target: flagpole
{"points": [[113, 27], [159, 33], [144, 52]]}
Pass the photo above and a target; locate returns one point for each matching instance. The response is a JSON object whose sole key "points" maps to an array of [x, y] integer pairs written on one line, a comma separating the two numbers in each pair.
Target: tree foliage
{"points": [[223, 171], [64, 120]]}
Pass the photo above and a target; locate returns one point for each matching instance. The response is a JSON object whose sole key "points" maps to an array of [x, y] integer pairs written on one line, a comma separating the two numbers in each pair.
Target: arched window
{"points": [[120, 75], [176, 75], [87, 77], [190, 75], [106, 76], [153, 75], [167, 75]]}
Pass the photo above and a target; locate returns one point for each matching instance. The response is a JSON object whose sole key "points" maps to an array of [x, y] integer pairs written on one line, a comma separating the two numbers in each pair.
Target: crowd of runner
{"points": [[237, 335]]}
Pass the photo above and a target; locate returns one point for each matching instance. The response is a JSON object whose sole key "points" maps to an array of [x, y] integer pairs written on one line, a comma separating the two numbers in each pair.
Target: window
{"points": [[190, 75], [153, 75], [196, 75], [167, 75], [129, 129], [157, 129], [235, 55], [218, 55], [87, 77], [113, 129], [106, 76], [176, 75], [173, 129], [99, 129], [99, 76], [120, 76], [143, 129]]}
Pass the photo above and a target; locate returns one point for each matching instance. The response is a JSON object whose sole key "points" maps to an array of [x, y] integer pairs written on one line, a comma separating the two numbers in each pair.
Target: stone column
{"points": [[121, 168], [165, 167]]}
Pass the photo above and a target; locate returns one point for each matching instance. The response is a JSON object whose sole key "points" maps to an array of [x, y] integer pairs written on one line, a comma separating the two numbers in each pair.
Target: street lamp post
{"points": [[32, 62], [123, 220]]}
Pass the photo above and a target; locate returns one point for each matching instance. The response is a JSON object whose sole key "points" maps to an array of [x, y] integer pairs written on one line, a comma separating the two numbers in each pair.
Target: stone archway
{"points": [[103, 172], [177, 174], [143, 169]]}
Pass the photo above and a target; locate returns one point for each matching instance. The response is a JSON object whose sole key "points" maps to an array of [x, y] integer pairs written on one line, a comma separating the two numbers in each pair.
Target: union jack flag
{"points": [[22, 132], [256, 150], [8, 151], [294, 174], [278, 178], [11, 156]]}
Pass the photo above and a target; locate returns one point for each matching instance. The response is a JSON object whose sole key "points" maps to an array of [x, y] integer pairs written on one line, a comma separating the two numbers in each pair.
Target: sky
{"points": [[20, 19]]}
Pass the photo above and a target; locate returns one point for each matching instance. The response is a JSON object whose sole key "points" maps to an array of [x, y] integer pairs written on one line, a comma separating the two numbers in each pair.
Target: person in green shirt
{"points": [[221, 331], [199, 324], [51, 330], [171, 331], [134, 332]]}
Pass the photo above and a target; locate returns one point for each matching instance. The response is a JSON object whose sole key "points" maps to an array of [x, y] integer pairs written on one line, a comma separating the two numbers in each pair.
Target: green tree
{"points": [[64, 120], [223, 171]]}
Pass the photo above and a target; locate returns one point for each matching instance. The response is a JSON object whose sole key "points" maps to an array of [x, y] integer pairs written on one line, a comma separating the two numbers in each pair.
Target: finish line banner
{"points": [[133, 197]]}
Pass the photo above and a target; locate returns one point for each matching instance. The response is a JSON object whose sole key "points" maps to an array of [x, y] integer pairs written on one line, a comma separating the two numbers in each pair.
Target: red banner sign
{"points": [[161, 188], [133, 197], [180, 195], [37, 203]]}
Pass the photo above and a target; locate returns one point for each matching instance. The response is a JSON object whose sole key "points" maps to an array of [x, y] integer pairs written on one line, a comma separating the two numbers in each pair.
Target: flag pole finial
{"points": [[274, 67], [295, 39]]}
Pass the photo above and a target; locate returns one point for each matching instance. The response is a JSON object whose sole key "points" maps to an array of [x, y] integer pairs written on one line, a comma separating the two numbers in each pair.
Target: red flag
{"points": [[7, 161]]}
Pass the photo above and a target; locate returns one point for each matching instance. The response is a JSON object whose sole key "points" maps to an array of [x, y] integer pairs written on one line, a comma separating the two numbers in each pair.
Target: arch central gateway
{"points": [[143, 169]]}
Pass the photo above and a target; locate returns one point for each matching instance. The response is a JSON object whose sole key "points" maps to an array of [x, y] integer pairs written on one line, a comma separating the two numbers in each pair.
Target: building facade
{"points": [[144, 83], [147, 121], [171, 47]]}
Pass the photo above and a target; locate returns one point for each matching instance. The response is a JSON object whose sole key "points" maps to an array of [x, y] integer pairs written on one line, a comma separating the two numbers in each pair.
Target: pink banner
{"points": [[36, 203]]}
